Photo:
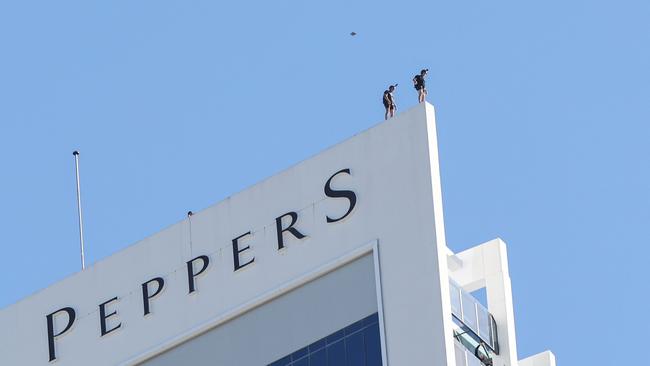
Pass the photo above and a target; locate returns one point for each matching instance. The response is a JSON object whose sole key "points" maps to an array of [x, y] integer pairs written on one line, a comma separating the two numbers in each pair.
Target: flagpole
{"points": [[81, 225]]}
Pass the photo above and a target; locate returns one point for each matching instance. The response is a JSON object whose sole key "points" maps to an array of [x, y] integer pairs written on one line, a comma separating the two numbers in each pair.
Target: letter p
{"points": [[50, 328]]}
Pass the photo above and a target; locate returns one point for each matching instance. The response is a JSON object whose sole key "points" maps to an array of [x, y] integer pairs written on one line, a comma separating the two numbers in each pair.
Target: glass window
{"points": [[454, 292], [484, 324], [469, 312], [372, 345], [299, 353], [318, 358], [302, 362], [336, 353], [356, 354], [358, 344]]}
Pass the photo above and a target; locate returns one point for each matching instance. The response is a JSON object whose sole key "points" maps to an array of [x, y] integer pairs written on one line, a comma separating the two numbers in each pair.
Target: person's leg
{"points": [[420, 95], [386, 114], [392, 111]]}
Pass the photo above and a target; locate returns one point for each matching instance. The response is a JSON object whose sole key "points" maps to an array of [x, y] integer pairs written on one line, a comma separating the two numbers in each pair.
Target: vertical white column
{"points": [[499, 298]]}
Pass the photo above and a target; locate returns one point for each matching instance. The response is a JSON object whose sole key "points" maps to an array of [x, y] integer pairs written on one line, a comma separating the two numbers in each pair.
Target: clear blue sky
{"points": [[543, 111]]}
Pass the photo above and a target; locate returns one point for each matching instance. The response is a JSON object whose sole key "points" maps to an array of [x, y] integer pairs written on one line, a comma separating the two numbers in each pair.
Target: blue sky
{"points": [[542, 109]]}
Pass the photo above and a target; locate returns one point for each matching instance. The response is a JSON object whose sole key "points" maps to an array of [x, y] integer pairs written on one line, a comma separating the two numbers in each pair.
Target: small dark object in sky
{"points": [[353, 33]]}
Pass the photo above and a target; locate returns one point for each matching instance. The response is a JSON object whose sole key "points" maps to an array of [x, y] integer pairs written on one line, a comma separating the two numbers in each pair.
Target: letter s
{"points": [[349, 195]]}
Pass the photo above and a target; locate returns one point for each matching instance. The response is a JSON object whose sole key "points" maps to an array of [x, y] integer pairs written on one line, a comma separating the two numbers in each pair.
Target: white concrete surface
{"points": [[394, 173], [546, 358]]}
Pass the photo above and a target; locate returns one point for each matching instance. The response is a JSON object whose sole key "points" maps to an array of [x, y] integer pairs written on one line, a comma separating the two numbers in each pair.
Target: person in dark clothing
{"points": [[389, 102], [418, 82]]}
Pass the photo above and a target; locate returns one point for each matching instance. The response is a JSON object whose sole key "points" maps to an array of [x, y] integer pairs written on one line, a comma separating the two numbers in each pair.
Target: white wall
{"points": [[394, 174], [546, 358]]}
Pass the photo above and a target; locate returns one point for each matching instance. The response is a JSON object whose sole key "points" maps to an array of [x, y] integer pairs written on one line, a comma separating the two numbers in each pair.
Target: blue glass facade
{"points": [[355, 345]]}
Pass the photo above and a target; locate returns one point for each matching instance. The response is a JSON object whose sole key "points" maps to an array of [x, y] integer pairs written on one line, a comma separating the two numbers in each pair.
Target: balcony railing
{"points": [[464, 357], [473, 316]]}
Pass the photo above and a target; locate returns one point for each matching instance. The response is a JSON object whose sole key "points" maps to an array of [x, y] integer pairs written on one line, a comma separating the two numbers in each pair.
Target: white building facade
{"points": [[338, 260]]}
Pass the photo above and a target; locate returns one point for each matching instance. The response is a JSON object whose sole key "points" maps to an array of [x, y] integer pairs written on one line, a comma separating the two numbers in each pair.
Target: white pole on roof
{"points": [[81, 224]]}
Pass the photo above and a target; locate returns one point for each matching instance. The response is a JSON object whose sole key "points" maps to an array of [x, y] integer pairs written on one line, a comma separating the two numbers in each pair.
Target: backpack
{"points": [[418, 81], [385, 99]]}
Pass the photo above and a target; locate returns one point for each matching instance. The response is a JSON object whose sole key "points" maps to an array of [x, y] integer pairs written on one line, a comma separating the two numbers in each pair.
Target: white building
{"points": [[338, 260]]}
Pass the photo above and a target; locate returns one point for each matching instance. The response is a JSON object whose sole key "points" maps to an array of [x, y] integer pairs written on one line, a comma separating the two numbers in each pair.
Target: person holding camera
{"points": [[389, 102], [418, 82]]}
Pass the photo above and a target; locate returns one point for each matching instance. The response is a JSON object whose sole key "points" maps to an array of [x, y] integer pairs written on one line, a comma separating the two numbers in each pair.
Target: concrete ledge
{"points": [[546, 358]]}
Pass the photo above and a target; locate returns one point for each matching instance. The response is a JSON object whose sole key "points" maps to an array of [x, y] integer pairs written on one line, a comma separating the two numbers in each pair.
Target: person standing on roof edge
{"points": [[389, 102], [418, 82]]}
